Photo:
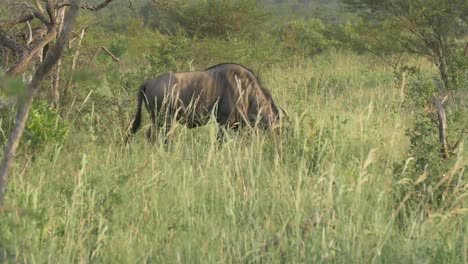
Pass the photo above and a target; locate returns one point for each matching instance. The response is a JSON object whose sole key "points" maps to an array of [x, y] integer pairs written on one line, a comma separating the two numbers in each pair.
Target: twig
{"points": [[115, 58], [25, 18], [7, 41], [73, 65]]}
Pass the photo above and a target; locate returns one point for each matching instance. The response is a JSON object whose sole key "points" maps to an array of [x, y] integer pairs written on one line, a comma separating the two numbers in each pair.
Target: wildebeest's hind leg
{"points": [[159, 122], [137, 121], [153, 129]]}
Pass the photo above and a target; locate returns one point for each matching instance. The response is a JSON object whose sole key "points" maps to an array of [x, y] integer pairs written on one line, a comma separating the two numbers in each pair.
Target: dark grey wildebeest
{"points": [[230, 92]]}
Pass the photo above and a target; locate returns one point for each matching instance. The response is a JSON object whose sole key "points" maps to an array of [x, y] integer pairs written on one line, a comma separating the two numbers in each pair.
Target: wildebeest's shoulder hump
{"points": [[230, 65]]}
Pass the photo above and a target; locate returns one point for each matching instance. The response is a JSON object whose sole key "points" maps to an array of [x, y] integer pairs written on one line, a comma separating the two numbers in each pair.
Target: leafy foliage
{"points": [[306, 37], [423, 164], [429, 28], [44, 126], [216, 18], [433, 29]]}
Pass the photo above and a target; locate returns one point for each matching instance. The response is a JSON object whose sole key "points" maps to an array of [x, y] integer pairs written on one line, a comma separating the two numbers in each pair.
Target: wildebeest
{"points": [[229, 91]]}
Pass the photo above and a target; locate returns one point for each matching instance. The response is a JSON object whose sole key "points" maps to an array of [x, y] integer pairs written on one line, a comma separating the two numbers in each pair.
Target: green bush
{"points": [[423, 172], [215, 18], [44, 126], [119, 47], [305, 37], [172, 54]]}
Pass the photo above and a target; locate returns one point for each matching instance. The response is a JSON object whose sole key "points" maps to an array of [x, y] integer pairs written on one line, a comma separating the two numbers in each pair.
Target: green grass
{"points": [[323, 191]]}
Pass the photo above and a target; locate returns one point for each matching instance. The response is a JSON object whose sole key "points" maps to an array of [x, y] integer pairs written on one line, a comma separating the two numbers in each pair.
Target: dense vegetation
{"points": [[357, 174]]}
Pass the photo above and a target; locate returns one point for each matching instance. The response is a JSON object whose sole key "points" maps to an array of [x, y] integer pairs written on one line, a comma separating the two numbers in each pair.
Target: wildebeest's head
{"points": [[263, 110]]}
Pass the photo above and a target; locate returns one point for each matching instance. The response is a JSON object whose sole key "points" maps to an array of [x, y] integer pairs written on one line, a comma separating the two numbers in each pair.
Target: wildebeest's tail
{"points": [[137, 121]]}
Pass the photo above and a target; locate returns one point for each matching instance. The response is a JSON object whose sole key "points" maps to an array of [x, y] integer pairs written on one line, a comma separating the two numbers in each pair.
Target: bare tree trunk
{"points": [[33, 87], [55, 87], [442, 126], [73, 65]]}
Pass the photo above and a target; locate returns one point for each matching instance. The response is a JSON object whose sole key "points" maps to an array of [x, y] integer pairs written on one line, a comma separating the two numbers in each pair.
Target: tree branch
{"points": [[26, 18], [51, 10], [51, 7], [24, 61], [73, 65], [9, 42], [110, 54], [86, 6]]}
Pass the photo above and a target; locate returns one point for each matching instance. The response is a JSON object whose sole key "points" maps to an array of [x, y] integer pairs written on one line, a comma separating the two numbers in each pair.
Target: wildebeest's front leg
{"points": [[223, 121], [223, 128], [167, 125], [221, 135], [151, 134]]}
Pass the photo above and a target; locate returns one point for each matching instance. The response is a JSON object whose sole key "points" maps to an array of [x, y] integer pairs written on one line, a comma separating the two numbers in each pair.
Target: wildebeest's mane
{"points": [[265, 91]]}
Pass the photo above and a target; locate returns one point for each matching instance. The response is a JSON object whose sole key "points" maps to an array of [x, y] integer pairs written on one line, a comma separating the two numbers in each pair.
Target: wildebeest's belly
{"points": [[196, 102], [195, 114]]}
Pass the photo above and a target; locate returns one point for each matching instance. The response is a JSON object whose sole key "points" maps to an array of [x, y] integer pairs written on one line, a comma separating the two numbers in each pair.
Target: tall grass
{"points": [[323, 191]]}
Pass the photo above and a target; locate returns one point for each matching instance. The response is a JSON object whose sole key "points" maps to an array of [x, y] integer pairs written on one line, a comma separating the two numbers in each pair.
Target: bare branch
{"points": [[115, 58], [73, 65], [26, 18], [51, 10], [86, 6], [55, 91], [24, 61], [9, 42], [51, 7], [30, 39], [39, 6]]}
